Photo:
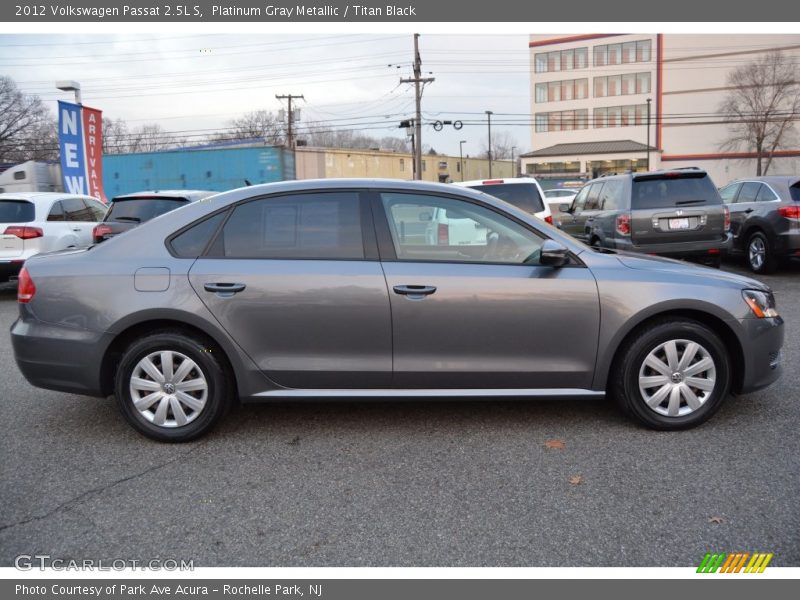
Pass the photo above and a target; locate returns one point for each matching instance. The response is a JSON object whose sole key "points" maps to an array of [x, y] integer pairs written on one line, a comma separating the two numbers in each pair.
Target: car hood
{"points": [[659, 263]]}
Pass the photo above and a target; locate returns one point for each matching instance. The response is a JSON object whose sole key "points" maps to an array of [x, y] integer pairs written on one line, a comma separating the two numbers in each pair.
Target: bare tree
{"points": [[761, 108], [323, 136], [502, 143], [27, 129], [260, 124], [115, 136]]}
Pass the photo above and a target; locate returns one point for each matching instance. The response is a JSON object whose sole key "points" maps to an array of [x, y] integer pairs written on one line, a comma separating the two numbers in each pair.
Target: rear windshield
{"points": [[16, 211], [795, 192], [140, 210], [671, 191], [524, 196]]}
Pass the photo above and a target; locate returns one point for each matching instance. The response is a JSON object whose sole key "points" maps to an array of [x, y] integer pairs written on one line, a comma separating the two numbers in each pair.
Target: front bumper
{"points": [[763, 340], [59, 358]]}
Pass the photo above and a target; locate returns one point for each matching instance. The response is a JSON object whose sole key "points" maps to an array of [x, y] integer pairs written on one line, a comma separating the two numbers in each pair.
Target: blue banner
{"points": [[70, 141]]}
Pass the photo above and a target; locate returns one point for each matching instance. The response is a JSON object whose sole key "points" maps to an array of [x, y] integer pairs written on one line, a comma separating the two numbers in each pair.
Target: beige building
{"points": [[320, 163], [591, 96]]}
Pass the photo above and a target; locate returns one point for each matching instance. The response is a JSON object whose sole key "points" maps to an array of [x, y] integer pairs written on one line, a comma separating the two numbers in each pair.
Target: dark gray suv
{"points": [[675, 213], [765, 219], [350, 289]]}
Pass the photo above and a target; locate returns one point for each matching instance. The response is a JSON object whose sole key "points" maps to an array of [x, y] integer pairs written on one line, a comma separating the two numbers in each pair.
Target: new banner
{"points": [[80, 140]]}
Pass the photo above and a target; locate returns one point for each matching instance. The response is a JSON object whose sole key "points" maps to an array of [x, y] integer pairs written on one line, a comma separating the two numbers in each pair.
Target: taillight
{"points": [[727, 224], [548, 219], [25, 287], [624, 224], [443, 234], [100, 231], [493, 181], [24, 232], [790, 212]]}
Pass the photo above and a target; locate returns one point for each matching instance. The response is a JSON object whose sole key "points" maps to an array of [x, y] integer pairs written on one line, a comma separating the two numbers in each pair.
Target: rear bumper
{"points": [[59, 358], [788, 242], [679, 249], [763, 340], [10, 268]]}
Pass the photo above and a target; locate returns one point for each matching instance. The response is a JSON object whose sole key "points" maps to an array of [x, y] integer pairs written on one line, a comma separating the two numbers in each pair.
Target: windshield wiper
{"points": [[682, 202], [133, 219]]}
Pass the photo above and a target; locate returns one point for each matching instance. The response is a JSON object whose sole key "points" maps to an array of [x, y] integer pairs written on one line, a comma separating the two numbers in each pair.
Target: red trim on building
{"points": [[659, 89], [719, 156], [571, 38]]}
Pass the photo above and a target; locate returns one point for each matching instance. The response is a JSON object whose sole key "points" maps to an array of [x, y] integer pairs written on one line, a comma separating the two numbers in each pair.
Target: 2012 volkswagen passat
{"points": [[350, 288]]}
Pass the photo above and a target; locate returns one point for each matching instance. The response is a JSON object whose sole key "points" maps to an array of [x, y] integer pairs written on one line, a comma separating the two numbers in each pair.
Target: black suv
{"points": [[126, 212], [765, 219], [675, 213]]}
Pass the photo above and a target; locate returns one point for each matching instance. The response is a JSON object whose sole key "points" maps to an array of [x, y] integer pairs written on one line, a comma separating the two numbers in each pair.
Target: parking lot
{"points": [[513, 483]]}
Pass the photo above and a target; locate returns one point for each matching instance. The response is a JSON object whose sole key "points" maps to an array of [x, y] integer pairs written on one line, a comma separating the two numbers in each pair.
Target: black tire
{"points": [[207, 367], [769, 262], [629, 365], [715, 262]]}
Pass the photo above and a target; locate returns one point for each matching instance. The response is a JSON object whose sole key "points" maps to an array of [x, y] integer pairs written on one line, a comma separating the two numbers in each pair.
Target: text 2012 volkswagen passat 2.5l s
{"points": [[350, 288]]}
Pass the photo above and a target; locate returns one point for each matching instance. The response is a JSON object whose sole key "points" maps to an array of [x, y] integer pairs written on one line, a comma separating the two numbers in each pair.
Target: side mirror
{"points": [[564, 207], [553, 254]]}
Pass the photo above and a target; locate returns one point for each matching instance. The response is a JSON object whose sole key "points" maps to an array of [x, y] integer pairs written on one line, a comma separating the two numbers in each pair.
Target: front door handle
{"points": [[414, 292], [225, 290]]}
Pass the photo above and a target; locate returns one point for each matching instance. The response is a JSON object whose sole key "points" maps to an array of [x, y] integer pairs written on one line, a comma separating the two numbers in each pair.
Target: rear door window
{"points": [[299, 226], [611, 194], [17, 211], [749, 192], [76, 210], [139, 210], [524, 196], [669, 191]]}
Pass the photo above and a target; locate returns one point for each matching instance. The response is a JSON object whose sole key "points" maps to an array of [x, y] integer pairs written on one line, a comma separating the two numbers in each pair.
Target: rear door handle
{"points": [[749, 210], [224, 289], [414, 292]]}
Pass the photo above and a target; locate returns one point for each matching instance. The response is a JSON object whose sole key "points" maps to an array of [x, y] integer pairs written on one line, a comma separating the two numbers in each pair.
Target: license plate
{"points": [[679, 223]]}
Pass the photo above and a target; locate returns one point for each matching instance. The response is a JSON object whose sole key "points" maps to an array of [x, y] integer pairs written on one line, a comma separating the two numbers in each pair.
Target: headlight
{"points": [[761, 303]]}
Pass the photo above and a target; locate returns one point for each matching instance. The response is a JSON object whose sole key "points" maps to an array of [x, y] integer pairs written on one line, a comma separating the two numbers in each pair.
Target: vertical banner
{"points": [[80, 139]]}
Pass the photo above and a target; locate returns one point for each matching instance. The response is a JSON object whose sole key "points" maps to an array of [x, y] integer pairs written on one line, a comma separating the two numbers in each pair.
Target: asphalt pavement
{"points": [[404, 483]]}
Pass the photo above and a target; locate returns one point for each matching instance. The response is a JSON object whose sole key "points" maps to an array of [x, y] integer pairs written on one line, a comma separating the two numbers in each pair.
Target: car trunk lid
{"points": [[14, 216]]}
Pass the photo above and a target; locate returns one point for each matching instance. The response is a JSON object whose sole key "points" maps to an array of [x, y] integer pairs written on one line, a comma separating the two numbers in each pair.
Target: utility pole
{"points": [[489, 117], [290, 115], [417, 80], [649, 100]]}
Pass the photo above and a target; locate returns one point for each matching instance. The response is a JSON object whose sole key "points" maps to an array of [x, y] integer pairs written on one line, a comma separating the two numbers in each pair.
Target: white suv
{"points": [[522, 192], [36, 222]]}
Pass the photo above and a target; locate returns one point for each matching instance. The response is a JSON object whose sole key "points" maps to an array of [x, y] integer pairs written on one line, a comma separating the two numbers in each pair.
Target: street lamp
{"points": [[461, 156], [649, 100], [489, 152], [67, 85], [513, 164]]}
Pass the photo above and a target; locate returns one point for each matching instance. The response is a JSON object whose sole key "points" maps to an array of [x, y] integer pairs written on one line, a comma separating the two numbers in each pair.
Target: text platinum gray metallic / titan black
{"points": [[382, 288]]}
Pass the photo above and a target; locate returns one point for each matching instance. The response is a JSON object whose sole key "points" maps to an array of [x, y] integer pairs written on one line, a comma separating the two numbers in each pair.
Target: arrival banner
{"points": [[80, 139]]}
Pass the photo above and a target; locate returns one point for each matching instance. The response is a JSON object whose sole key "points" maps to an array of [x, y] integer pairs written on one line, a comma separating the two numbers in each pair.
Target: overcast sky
{"points": [[193, 83]]}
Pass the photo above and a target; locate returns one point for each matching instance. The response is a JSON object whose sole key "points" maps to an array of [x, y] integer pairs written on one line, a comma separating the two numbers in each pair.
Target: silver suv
{"points": [[675, 213]]}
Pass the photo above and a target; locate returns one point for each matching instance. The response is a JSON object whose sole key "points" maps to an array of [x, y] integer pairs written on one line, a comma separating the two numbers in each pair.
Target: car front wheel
{"points": [[673, 375], [172, 387]]}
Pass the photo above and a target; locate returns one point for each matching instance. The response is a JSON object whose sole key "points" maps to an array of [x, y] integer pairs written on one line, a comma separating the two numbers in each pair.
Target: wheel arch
{"points": [[148, 322], [705, 317]]}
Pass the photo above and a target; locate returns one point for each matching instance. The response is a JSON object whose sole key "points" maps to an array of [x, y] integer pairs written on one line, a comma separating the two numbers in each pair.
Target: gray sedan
{"points": [[352, 288]]}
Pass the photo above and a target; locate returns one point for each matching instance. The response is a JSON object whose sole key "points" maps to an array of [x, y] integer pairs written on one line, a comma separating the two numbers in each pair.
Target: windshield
{"points": [[524, 196], [16, 211], [140, 210]]}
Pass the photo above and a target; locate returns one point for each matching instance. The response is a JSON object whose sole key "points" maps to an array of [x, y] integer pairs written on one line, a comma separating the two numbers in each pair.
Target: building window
{"points": [[561, 60], [620, 116], [619, 54], [402, 164], [622, 85], [562, 121], [424, 166], [554, 167], [556, 91]]}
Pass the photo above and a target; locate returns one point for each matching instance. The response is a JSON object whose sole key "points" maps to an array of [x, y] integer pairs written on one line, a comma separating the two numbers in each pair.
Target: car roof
{"points": [[190, 195], [42, 196], [496, 181], [778, 179]]}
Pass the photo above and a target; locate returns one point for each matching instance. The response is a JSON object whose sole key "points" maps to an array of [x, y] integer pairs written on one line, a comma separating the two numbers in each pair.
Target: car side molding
{"points": [[426, 393]]}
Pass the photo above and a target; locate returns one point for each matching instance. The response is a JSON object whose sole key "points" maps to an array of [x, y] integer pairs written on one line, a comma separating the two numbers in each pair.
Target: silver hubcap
{"points": [[168, 389], [757, 252], [677, 378]]}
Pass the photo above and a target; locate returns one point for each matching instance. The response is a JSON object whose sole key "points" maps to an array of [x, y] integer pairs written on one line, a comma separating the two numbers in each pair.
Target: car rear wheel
{"points": [[673, 375], [760, 257], [172, 387]]}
